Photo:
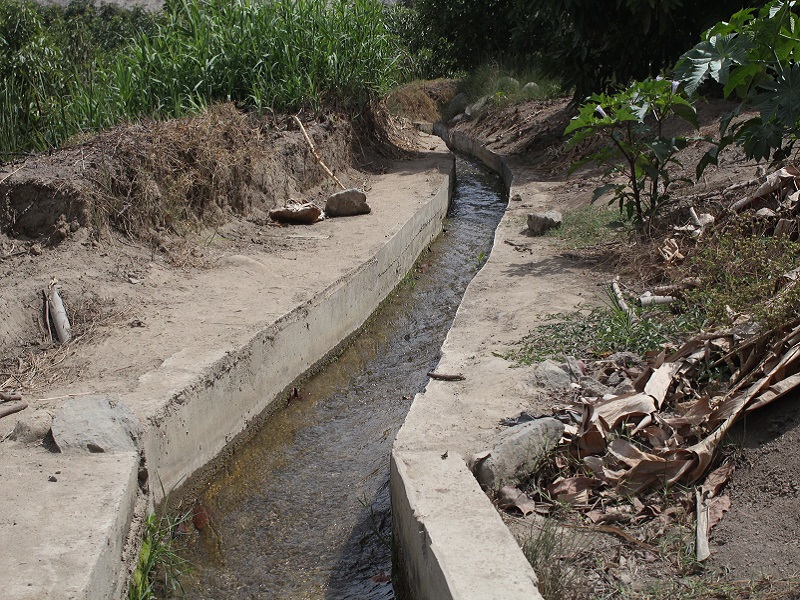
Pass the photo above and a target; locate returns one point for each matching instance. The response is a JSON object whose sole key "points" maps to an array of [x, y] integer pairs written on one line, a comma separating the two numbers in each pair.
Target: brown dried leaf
{"points": [[717, 478], [572, 486], [659, 382], [717, 509], [510, 496], [623, 407]]}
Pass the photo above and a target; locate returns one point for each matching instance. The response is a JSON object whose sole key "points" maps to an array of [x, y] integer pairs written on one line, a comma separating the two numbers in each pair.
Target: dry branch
{"points": [[59, 314], [10, 409], [316, 154], [446, 377]]}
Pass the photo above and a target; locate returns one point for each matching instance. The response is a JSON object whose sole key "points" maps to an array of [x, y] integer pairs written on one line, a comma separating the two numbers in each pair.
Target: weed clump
{"points": [[744, 274]]}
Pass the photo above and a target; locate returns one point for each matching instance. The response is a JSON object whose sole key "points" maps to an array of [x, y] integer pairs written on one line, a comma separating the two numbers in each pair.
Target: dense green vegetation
{"points": [[83, 69], [591, 46]]}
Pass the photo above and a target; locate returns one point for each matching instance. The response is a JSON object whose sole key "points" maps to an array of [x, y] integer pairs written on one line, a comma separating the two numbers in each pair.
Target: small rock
{"points": [[36, 249], [539, 223], [508, 85], [574, 367], [457, 119], [458, 103], [347, 203], [626, 359], [32, 427], [52, 478], [95, 424], [517, 452], [476, 107], [302, 214], [553, 376], [624, 387], [592, 387], [516, 198]]}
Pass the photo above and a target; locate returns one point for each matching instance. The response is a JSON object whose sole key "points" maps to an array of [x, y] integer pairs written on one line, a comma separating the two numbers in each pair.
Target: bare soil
{"points": [[128, 221]]}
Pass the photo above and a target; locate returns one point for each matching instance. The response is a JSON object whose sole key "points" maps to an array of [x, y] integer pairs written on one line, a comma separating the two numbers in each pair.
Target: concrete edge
{"points": [[441, 551], [202, 418], [213, 396], [218, 399]]}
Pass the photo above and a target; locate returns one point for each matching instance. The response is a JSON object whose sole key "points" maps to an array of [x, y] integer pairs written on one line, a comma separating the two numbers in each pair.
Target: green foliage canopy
{"points": [[590, 45]]}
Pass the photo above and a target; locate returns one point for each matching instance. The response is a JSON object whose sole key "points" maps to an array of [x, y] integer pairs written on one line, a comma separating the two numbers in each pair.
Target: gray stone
{"points": [[539, 223], [458, 104], [626, 359], [573, 367], [624, 387], [32, 427], [476, 107], [508, 85], [552, 376], [592, 387], [530, 89], [347, 203], [95, 424], [518, 452]]}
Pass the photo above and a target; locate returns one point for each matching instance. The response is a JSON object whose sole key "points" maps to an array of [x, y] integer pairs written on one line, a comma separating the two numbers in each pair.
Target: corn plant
{"points": [[61, 78]]}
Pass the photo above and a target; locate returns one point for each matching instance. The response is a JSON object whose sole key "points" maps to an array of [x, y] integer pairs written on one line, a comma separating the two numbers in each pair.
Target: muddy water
{"points": [[302, 510]]}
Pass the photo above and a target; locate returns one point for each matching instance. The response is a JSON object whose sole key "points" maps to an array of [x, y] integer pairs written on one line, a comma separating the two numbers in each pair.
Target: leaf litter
{"points": [[648, 460]]}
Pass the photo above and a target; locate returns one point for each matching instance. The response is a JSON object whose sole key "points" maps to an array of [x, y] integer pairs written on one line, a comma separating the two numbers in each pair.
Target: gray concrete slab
{"points": [[64, 523]]}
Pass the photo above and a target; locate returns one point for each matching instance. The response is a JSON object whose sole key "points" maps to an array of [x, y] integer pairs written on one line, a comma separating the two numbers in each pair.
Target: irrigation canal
{"points": [[302, 509]]}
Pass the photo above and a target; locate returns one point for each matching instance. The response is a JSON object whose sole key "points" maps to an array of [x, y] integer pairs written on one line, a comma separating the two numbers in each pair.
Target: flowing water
{"points": [[302, 510]]}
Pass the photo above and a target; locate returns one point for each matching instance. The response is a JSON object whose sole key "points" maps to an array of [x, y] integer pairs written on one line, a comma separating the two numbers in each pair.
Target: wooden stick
{"points": [[656, 300], [446, 377], [65, 396], [703, 550], [10, 409], [618, 294], [317, 156], [12, 173], [9, 396]]}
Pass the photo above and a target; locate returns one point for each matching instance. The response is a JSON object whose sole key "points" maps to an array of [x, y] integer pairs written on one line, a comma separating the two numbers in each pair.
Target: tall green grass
{"points": [[278, 55]]}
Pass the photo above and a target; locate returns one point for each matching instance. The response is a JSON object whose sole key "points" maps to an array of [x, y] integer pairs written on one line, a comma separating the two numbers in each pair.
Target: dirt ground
{"points": [[754, 549], [105, 219], [102, 219]]}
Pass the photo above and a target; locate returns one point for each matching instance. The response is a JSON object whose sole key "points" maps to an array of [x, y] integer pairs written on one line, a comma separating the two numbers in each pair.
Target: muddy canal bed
{"points": [[302, 510]]}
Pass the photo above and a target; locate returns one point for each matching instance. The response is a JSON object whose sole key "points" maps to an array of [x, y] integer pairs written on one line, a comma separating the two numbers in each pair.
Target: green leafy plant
{"points": [[605, 330], [753, 56], [631, 123]]}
